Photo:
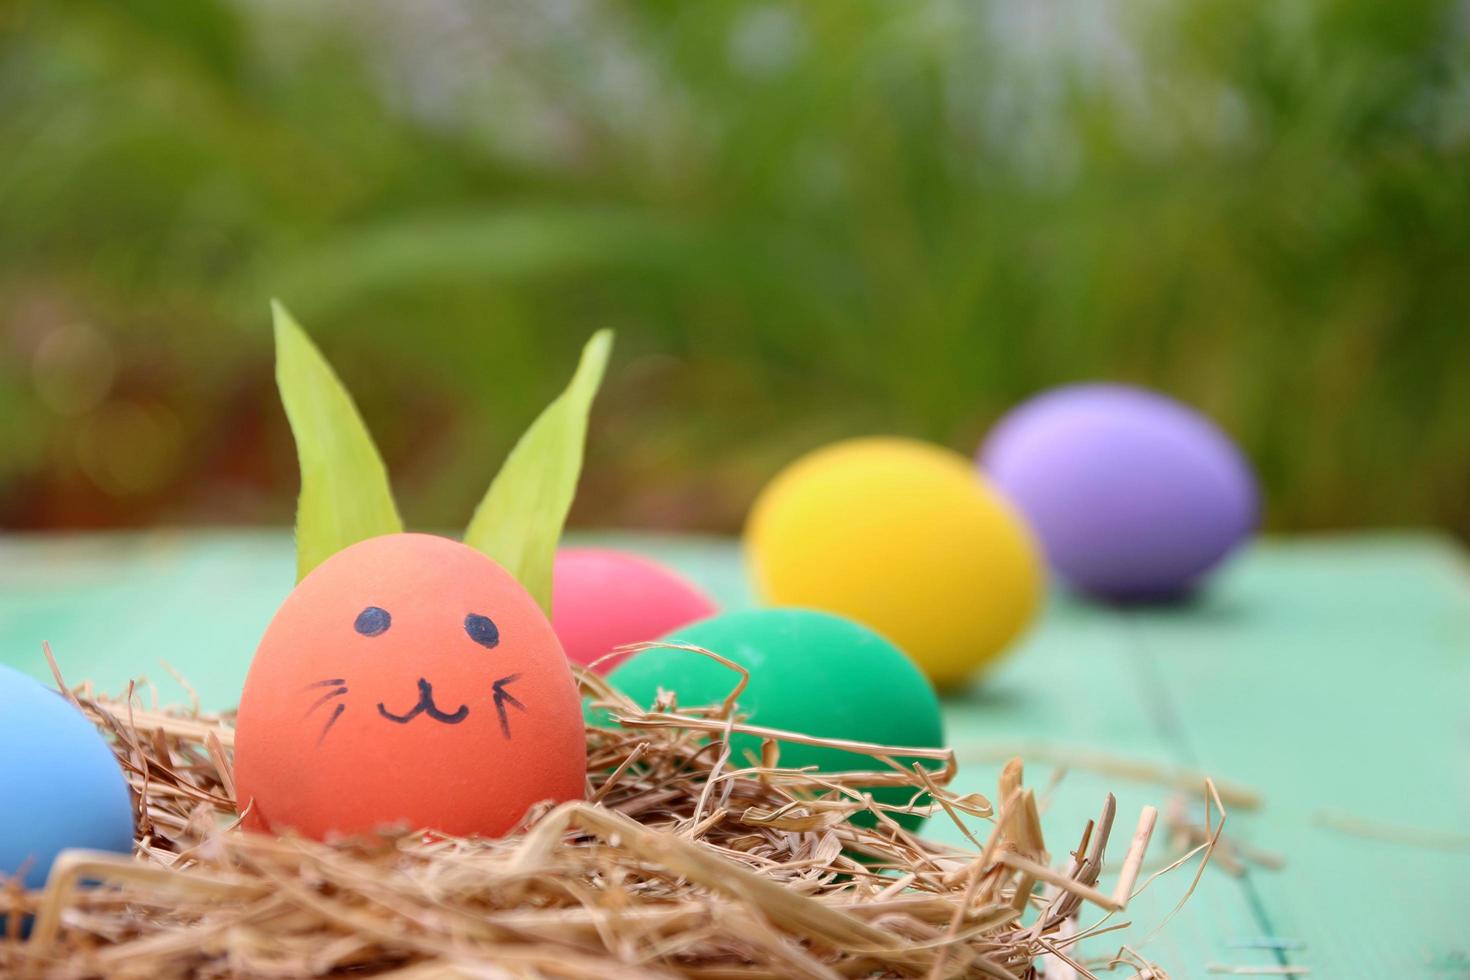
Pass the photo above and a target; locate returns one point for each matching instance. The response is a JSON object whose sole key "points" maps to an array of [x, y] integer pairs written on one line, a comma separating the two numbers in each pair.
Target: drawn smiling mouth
{"points": [[426, 706]]}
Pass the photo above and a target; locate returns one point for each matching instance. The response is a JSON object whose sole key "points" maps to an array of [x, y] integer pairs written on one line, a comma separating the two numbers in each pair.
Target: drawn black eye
{"points": [[482, 630], [372, 621]]}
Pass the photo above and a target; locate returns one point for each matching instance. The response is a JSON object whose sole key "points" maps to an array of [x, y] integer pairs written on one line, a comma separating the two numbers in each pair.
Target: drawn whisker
{"points": [[504, 697], [336, 713], [335, 693], [329, 682]]}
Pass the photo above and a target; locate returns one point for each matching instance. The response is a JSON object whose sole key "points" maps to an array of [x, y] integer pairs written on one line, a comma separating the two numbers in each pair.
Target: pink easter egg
{"points": [[602, 599]]}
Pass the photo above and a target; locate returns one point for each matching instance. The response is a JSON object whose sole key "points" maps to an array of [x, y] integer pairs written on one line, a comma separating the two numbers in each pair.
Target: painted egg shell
{"points": [[60, 784], [603, 599], [408, 680], [810, 672], [901, 536], [1133, 495]]}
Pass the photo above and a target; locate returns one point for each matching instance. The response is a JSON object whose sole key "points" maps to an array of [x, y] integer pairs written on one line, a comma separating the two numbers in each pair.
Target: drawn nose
{"points": [[426, 702]]}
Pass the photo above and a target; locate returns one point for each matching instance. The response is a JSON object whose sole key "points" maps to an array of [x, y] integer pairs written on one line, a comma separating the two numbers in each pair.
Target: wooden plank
{"points": [[1335, 675], [116, 606], [1331, 675], [1071, 691]]}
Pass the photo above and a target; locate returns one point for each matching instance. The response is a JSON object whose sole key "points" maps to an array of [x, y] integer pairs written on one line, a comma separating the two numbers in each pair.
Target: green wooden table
{"points": [[1330, 675]]}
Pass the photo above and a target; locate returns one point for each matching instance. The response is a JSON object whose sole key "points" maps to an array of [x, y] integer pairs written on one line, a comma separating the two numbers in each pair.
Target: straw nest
{"points": [[683, 861]]}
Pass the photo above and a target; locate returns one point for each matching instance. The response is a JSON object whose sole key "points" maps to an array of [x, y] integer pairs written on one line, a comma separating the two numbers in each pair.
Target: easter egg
{"points": [[60, 785], [408, 680], [901, 536], [603, 599], [810, 672], [1134, 496]]}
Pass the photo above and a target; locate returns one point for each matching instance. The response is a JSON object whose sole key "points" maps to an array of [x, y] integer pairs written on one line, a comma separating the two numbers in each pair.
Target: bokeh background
{"points": [[806, 221]]}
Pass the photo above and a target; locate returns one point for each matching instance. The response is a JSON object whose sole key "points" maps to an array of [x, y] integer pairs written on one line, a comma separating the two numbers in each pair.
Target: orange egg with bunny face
{"points": [[408, 681]]}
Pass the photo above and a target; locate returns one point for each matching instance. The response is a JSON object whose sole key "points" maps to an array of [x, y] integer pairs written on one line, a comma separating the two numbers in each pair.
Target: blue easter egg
{"points": [[60, 784]]}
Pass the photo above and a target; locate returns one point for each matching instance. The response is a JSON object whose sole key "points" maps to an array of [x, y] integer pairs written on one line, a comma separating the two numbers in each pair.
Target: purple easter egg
{"points": [[1133, 495]]}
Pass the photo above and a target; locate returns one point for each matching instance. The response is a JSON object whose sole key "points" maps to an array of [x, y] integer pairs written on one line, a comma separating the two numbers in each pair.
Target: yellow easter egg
{"points": [[906, 538]]}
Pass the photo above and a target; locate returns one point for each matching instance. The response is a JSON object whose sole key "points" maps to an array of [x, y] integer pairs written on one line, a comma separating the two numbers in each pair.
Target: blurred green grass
{"points": [[806, 221]]}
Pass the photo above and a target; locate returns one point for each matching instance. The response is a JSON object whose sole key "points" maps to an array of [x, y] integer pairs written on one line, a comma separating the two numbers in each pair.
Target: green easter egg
{"points": [[810, 672]]}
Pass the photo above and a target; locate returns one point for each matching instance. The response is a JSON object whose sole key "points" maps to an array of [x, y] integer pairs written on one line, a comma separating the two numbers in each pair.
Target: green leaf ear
{"points": [[345, 495], [519, 521]]}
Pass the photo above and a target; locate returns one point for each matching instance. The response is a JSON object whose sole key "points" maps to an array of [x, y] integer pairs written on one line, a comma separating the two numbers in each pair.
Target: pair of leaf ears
{"points": [[345, 496]]}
